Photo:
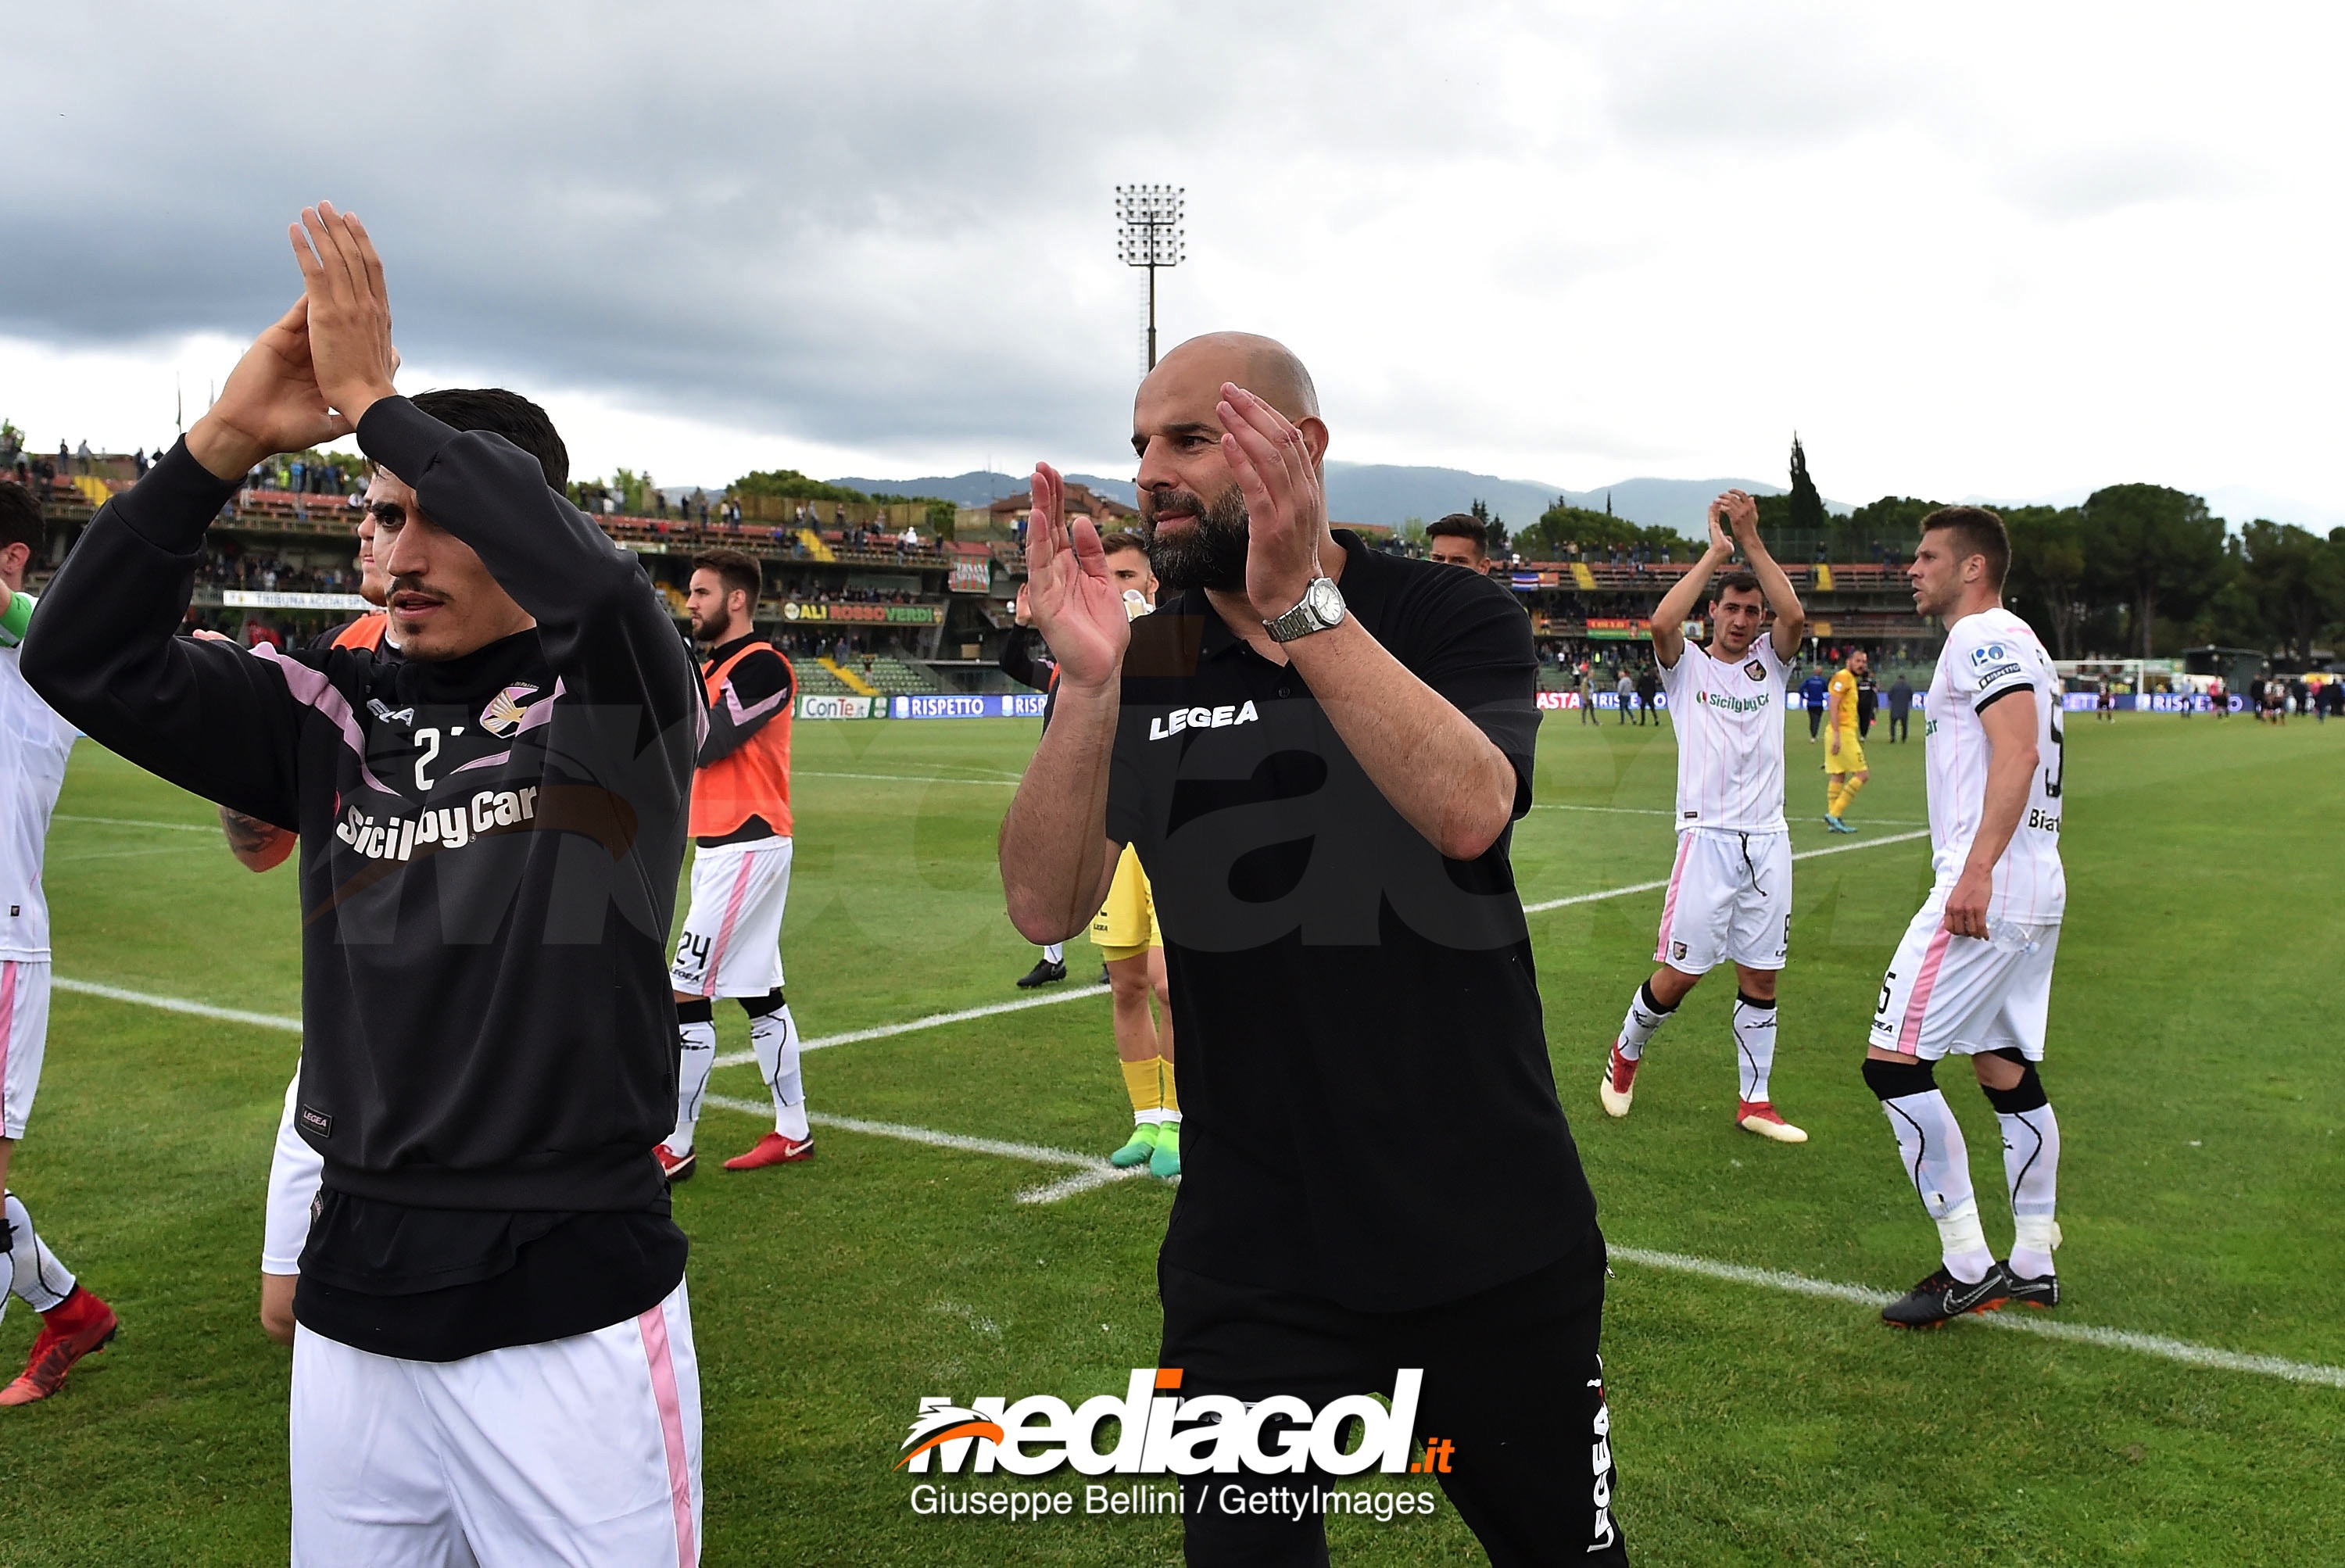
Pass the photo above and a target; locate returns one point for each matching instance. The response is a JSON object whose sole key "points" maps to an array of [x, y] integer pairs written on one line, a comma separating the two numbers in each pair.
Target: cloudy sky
{"points": [[1994, 249]]}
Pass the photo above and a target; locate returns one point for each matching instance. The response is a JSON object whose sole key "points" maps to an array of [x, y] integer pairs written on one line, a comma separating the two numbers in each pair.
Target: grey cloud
{"points": [[862, 225]]}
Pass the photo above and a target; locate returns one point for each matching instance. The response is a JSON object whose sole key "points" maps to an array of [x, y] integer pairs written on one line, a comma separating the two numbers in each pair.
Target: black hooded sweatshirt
{"points": [[489, 852]]}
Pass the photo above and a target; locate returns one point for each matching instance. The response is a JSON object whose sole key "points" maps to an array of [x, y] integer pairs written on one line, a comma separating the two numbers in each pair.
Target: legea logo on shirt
{"points": [[1165, 726]]}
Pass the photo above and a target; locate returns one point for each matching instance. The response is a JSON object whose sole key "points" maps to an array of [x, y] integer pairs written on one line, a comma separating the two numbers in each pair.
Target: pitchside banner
{"points": [[990, 704], [822, 705]]}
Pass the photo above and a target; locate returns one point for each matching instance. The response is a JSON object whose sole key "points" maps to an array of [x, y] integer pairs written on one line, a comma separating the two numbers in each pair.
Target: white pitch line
{"points": [[139, 822], [1087, 1171], [2018, 1320], [1090, 1171], [177, 1004], [1543, 907], [933, 1021]]}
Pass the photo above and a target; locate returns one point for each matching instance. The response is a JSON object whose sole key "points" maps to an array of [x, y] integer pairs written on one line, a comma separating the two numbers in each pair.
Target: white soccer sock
{"points": [[1056, 952], [1646, 1014], [1754, 1046], [34, 1272], [698, 1059], [775, 1037], [2031, 1167], [1930, 1146]]}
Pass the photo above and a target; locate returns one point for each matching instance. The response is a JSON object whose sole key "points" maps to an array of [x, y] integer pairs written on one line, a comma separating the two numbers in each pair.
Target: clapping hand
{"points": [[1741, 512], [1721, 548], [1070, 595], [1286, 512], [350, 309]]}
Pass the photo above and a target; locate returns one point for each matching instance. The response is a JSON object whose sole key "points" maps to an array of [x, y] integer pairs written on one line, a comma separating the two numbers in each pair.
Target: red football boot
{"points": [[1619, 1085], [78, 1326], [678, 1168], [773, 1149]]}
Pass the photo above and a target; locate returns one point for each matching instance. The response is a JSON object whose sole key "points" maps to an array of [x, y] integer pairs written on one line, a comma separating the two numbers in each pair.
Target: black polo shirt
{"points": [[1370, 1111]]}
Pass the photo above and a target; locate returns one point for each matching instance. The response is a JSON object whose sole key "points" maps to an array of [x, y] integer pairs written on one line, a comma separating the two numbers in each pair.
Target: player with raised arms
{"points": [[493, 1358], [1729, 891], [1320, 751], [1973, 975]]}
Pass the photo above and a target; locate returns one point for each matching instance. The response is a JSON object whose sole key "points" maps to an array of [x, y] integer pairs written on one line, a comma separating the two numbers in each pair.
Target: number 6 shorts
{"points": [[1957, 995]]}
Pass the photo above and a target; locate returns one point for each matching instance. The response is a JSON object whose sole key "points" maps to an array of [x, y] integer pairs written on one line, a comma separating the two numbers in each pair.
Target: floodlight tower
{"points": [[1148, 235]]}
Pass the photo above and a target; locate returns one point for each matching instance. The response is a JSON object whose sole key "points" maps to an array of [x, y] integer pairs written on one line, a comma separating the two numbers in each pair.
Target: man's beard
{"points": [[1210, 551]]}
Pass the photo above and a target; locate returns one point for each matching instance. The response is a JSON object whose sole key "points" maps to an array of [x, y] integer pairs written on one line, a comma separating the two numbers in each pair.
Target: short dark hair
{"points": [[1736, 582], [1460, 525], [505, 413], [1977, 532], [1123, 539], [20, 518], [735, 570]]}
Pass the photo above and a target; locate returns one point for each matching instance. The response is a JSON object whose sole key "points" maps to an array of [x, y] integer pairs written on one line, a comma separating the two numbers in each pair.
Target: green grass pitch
{"points": [[2193, 1060]]}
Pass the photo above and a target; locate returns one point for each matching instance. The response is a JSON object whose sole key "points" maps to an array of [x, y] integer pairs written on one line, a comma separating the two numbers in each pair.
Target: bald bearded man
{"points": [[1319, 751]]}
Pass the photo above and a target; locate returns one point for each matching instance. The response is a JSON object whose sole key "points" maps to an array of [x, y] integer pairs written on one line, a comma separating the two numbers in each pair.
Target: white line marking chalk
{"points": [[2017, 1320], [1090, 1171], [142, 823], [933, 1021], [1544, 906], [177, 1004]]}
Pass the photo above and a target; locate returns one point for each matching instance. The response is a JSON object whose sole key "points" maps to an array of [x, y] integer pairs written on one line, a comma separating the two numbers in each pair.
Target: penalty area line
{"points": [[2017, 1319], [1088, 1171]]}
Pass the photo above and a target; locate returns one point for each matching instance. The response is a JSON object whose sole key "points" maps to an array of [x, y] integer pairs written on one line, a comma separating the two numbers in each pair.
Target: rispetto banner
{"points": [[985, 705]]}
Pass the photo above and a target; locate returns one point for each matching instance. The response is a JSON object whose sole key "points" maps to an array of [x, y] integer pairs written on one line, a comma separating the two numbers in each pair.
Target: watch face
{"points": [[1325, 600]]}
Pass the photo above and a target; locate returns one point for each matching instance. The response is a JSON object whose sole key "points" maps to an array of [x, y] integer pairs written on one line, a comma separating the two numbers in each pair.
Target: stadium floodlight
{"points": [[1148, 235]]}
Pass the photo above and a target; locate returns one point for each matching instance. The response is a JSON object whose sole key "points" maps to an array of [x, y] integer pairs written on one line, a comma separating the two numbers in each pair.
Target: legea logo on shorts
{"points": [[1215, 1434]]}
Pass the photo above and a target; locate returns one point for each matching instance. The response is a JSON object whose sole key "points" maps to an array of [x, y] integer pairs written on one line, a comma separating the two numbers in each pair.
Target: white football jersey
{"points": [[1729, 718], [1990, 657], [38, 742]]}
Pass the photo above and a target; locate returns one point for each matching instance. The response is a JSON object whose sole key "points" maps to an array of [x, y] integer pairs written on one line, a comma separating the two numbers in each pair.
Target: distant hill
{"points": [[1392, 493], [980, 488], [1388, 493]]}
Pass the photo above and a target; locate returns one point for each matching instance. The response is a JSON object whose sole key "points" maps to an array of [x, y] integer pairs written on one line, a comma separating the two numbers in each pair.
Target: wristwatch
{"points": [[1322, 608]]}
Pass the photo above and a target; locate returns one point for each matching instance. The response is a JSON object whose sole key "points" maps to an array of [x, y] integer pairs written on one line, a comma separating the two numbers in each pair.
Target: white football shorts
{"points": [[24, 1036], [1957, 995], [732, 941], [583, 1451], [1730, 901], [295, 1171]]}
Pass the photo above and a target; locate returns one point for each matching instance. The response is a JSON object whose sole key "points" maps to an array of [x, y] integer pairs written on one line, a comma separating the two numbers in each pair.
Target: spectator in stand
{"points": [[1812, 694], [1901, 706]]}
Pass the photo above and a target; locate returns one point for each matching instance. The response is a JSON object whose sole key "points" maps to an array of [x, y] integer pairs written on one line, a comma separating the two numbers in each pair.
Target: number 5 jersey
{"points": [[1992, 657]]}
